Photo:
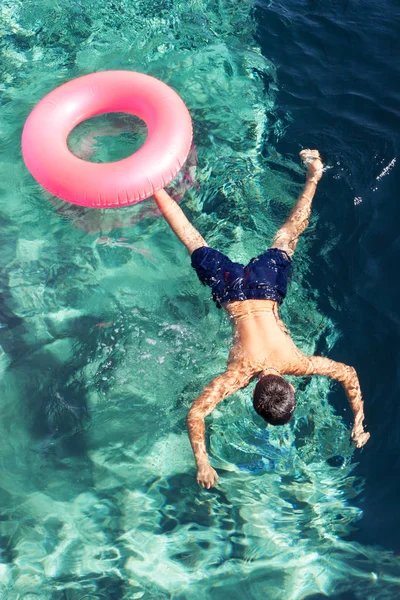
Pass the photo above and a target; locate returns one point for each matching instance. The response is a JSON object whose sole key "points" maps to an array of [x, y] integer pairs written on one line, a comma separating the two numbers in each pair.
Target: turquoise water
{"points": [[107, 337]]}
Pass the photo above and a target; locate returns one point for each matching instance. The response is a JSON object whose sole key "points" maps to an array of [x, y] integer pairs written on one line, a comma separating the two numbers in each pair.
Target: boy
{"points": [[262, 347]]}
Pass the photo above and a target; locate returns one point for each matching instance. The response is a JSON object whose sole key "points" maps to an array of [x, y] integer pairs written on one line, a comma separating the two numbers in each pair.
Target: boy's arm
{"points": [[287, 236], [178, 222], [218, 389], [318, 365]]}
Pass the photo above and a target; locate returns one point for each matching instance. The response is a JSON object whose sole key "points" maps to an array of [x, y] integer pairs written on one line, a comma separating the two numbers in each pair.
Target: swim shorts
{"points": [[266, 277]]}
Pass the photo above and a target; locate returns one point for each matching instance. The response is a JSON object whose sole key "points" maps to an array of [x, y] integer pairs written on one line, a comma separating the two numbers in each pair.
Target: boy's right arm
{"points": [[178, 222], [219, 388]]}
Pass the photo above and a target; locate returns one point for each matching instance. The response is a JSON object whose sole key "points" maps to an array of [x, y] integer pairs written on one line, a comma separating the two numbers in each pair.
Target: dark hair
{"points": [[274, 400]]}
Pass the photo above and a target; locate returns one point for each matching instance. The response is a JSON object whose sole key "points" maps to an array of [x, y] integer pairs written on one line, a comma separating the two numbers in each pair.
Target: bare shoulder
{"points": [[298, 363], [238, 372]]}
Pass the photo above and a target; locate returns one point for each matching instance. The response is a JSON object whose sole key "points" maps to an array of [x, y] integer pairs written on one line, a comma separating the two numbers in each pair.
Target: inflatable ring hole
{"points": [[107, 138]]}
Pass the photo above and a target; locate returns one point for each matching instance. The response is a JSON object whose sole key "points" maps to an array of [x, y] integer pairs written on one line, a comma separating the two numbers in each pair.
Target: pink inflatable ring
{"points": [[153, 166]]}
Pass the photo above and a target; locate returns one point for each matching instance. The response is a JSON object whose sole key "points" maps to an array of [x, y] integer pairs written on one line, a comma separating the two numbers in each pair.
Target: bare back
{"points": [[261, 340]]}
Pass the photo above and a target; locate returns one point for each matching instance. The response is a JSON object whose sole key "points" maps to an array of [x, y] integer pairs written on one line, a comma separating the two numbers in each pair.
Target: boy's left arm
{"points": [[318, 365]]}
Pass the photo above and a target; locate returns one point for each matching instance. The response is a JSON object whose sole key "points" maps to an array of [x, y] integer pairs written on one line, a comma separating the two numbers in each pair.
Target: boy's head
{"points": [[274, 399]]}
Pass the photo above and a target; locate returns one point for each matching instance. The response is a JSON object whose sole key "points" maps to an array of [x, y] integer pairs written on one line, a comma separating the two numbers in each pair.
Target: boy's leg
{"points": [[287, 236], [178, 222]]}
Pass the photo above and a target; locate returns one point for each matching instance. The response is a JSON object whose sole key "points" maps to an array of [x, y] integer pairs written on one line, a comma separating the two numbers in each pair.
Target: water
{"points": [[107, 336]]}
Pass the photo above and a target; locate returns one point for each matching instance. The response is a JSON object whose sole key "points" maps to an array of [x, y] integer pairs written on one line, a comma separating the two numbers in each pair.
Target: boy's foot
{"points": [[312, 160]]}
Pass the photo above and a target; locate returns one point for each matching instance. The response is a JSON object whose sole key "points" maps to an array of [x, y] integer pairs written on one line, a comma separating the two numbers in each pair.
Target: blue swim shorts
{"points": [[266, 277]]}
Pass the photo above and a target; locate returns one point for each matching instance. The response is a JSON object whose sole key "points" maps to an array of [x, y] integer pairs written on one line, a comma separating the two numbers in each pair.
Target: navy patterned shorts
{"points": [[266, 277]]}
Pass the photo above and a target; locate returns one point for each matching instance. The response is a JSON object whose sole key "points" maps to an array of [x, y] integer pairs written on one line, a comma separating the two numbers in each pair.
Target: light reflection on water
{"points": [[108, 344]]}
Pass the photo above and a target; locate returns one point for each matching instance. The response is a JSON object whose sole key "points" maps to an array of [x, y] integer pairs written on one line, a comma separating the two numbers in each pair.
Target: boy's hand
{"points": [[359, 436], [206, 476]]}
